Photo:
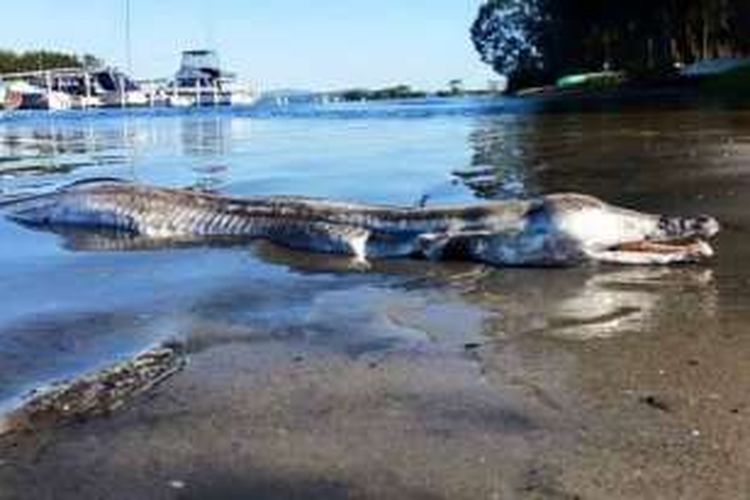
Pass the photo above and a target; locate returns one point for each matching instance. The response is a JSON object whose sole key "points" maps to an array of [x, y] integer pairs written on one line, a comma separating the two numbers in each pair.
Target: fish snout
{"points": [[707, 226], [702, 226]]}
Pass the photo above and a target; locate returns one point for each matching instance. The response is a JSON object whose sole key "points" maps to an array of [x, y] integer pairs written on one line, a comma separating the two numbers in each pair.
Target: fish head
{"points": [[609, 233]]}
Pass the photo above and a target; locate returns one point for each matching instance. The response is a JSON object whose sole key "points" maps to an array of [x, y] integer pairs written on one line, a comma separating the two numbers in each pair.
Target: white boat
{"points": [[103, 87], [115, 89], [179, 101], [201, 82], [20, 94]]}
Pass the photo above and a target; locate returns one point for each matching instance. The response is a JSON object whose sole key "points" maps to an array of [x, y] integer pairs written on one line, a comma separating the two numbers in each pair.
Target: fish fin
{"points": [[357, 240], [431, 245]]}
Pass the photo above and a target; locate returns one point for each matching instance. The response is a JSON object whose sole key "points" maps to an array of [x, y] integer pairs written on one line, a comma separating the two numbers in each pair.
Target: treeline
{"points": [[533, 41], [11, 62], [395, 92]]}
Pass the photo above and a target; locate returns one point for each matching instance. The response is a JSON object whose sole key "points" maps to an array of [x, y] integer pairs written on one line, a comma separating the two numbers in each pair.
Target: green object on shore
{"points": [[596, 80]]}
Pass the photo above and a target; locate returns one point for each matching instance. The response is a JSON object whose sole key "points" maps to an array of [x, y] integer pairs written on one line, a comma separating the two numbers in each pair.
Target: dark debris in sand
{"points": [[97, 394]]}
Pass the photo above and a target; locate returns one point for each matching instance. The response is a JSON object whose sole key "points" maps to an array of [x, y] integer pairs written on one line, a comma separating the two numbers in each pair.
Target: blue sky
{"points": [[312, 44]]}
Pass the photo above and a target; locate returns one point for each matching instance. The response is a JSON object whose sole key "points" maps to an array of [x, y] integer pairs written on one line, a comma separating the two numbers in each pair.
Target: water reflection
{"points": [[499, 167], [621, 157], [592, 301], [44, 152], [49, 148], [598, 301], [204, 135], [583, 303]]}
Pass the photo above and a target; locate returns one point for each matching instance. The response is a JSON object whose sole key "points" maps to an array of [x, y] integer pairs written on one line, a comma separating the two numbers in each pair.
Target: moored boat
{"points": [[200, 81], [19, 94]]}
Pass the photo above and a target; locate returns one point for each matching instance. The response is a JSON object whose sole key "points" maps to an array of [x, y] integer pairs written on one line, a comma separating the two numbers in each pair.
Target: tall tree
{"points": [[508, 35], [537, 40]]}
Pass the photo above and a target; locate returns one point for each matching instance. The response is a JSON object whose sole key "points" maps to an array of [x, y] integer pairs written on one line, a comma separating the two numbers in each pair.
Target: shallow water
{"points": [[64, 312]]}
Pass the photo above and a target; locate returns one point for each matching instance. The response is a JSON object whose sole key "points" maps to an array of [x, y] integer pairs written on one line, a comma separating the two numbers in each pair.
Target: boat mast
{"points": [[208, 17], [128, 55]]}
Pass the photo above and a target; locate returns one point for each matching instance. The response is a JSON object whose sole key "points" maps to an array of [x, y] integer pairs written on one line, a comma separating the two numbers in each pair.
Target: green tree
{"points": [[11, 62], [508, 35], [456, 86], [538, 40]]}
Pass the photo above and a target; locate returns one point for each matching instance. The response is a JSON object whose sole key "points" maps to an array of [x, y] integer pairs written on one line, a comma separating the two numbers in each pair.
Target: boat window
{"points": [[106, 82]]}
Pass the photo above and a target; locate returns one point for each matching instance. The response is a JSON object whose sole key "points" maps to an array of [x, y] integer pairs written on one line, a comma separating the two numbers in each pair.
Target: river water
{"points": [[65, 311], [603, 330]]}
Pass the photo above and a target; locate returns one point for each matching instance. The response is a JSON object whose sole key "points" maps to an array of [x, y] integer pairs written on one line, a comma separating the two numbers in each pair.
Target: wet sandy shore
{"points": [[532, 416]]}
